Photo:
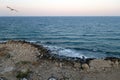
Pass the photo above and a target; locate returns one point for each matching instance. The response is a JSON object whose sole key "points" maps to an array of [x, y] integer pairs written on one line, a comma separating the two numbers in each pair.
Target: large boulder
{"points": [[85, 67]]}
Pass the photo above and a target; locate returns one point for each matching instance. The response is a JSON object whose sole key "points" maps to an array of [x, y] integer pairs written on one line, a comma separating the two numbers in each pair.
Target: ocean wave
{"points": [[79, 52], [2, 41], [63, 51], [74, 53], [107, 53]]}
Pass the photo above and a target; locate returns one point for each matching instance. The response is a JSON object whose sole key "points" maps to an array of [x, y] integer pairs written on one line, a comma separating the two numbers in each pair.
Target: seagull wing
{"points": [[9, 7], [12, 9]]}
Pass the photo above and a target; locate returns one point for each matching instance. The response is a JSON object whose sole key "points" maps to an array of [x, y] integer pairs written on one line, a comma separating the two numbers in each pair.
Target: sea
{"points": [[72, 36]]}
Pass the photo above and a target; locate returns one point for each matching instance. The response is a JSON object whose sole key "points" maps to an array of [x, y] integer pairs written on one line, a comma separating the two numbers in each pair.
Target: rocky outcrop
{"points": [[14, 54], [19, 50], [100, 64], [114, 61], [21, 60]]}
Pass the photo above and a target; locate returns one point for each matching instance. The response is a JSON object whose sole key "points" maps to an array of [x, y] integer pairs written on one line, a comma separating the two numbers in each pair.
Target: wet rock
{"points": [[89, 59], [112, 58]]}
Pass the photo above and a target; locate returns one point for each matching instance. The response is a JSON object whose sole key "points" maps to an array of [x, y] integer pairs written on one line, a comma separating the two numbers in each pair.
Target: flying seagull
{"points": [[12, 9]]}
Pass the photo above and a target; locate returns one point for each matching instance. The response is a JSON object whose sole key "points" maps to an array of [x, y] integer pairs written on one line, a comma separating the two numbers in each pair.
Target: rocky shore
{"points": [[21, 60]]}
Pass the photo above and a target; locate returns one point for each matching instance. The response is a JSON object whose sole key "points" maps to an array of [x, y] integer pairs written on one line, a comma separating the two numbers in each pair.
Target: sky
{"points": [[60, 7]]}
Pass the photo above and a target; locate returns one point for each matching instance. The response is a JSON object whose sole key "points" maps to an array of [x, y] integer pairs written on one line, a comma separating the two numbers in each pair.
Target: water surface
{"points": [[71, 36]]}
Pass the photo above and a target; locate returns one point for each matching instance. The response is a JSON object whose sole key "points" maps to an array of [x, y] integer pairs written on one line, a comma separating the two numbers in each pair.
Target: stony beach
{"points": [[21, 60]]}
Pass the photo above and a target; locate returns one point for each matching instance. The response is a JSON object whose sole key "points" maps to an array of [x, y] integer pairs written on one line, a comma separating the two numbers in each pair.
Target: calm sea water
{"points": [[70, 36]]}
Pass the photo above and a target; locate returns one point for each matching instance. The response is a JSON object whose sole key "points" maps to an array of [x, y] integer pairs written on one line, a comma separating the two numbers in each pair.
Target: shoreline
{"points": [[36, 44], [31, 61]]}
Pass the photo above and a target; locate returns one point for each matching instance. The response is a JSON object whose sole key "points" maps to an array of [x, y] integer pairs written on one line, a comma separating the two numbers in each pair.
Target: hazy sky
{"points": [[60, 7]]}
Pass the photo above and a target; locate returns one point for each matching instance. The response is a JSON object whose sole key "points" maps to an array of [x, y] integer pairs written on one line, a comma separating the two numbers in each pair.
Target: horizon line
{"points": [[64, 16]]}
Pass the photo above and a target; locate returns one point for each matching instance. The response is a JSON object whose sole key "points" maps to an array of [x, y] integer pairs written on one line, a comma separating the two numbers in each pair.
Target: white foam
{"points": [[65, 52], [2, 41], [75, 53], [32, 41]]}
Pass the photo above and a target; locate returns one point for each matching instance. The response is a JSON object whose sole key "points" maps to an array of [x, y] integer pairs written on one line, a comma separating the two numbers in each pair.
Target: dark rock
{"points": [[3, 78], [113, 59]]}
